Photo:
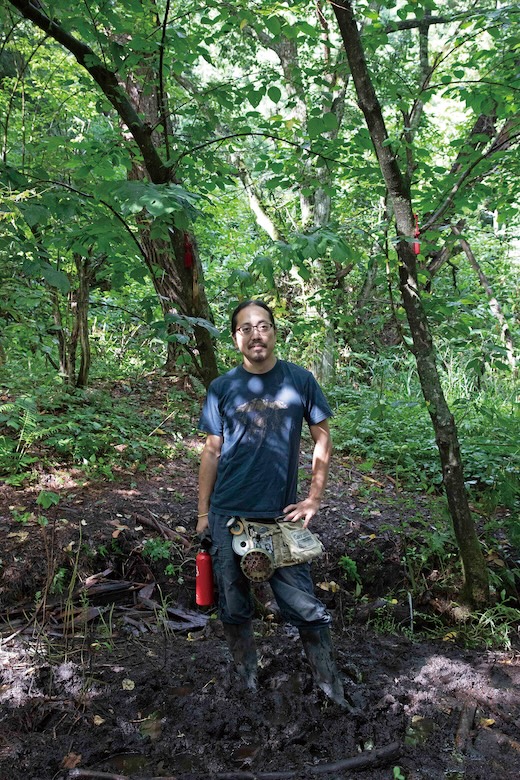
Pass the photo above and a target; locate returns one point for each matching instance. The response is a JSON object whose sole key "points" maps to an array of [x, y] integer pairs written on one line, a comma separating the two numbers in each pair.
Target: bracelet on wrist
{"points": [[204, 514]]}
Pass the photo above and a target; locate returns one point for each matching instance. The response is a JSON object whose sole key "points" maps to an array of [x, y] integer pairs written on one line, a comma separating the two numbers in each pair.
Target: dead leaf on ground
{"points": [[71, 761]]}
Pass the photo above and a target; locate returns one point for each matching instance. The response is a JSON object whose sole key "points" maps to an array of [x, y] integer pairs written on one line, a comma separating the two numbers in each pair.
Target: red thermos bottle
{"points": [[204, 595]]}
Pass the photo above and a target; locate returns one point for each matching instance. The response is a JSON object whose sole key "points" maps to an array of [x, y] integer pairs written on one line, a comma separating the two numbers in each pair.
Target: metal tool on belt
{"points": [[265, 545]]}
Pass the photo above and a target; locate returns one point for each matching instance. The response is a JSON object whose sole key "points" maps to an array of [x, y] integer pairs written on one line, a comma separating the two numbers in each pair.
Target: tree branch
{"points": [[273, 137], [411, 24], [494, 305], [99, 200], [163, 100], [503, 139], [108, 83]]}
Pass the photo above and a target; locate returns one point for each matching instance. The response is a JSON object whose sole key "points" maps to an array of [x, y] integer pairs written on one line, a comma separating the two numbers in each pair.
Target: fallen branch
{"points": [[505, 740], [366, 760], [488, 705], [84, 773], [89, 773], [165, 531]]}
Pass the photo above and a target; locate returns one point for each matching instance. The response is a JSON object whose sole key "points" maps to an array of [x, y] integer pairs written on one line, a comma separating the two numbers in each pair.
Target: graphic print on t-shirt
{"points": [[260, 416]]}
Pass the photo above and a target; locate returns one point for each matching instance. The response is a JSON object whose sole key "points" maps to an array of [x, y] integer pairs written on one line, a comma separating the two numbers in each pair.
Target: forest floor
{"points": [[117, 673]]}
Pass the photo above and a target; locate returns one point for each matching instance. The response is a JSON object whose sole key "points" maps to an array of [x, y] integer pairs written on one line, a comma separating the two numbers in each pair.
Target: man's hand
{"points": [[202, 525], [305, 510], [204, 538]]}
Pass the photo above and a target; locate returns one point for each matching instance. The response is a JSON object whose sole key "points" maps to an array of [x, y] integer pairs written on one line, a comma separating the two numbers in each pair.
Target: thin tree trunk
{"points": [[494, 305], [476, 583], [63, 347], [80, 332]]}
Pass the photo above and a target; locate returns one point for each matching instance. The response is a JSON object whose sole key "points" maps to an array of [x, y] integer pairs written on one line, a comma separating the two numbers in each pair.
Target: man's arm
{"points": [[207, 477], [321, 456]]}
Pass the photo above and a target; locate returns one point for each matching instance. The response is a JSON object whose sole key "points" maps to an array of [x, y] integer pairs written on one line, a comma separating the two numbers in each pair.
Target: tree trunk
{"points": [[80, 332], [476, 582], [179, 288], [65, 368]]}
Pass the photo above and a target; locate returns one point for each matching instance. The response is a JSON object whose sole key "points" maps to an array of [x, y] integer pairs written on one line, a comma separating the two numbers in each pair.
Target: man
{"points": [[253, 418]]}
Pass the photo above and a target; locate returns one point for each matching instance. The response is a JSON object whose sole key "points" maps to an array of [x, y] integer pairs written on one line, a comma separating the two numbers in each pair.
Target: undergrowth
{"points": [[383, 419], [92, 430]]}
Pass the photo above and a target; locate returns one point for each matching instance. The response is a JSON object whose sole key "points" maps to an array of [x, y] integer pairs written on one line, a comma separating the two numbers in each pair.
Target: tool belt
{"points": [[267, 545]]}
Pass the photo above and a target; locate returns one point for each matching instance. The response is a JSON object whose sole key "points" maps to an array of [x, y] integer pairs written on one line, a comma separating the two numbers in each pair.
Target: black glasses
{"points": [[262, 327]]}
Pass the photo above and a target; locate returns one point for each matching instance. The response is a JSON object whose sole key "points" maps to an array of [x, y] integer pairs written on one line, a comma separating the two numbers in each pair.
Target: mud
{"points": [[119, 692]]}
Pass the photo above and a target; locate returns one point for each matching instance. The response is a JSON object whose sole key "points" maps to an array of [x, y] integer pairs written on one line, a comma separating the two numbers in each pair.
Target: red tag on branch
{"points": [[417, 233]]}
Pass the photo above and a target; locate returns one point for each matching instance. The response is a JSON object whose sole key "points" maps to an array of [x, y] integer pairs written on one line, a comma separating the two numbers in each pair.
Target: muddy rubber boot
{"points": [[241, 642], [317, 644]]}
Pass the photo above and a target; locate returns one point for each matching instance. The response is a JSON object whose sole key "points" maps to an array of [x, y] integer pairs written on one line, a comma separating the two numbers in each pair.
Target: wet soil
{"points": [[117, 673]]}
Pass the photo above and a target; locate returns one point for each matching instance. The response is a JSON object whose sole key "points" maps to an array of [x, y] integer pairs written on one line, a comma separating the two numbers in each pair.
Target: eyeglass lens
{"points": [[262, 327]]}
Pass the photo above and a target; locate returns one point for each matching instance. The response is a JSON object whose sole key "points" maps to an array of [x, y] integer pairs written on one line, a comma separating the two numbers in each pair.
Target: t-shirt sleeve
{"points": [[317, 408], [210, 419]]}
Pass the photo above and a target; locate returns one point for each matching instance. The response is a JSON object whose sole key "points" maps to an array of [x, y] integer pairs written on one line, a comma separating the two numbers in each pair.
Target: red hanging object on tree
{"points": [[188, 252], [417, 233]]}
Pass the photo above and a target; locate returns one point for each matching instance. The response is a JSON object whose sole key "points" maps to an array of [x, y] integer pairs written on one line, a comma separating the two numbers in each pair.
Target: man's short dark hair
{"points": [[244, 305]]}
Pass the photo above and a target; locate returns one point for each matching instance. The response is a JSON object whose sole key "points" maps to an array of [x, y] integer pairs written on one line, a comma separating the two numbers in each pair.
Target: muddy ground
{"points": [[119, 674]]}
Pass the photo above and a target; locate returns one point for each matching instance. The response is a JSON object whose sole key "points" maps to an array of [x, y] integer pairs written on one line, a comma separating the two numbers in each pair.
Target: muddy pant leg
{"points": [[317, 644], [294, 593], [235, 600], [241, 642]]}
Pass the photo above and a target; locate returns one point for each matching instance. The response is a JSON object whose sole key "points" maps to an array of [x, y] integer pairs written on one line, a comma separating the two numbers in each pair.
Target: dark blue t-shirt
{"points": [[259, 417]]}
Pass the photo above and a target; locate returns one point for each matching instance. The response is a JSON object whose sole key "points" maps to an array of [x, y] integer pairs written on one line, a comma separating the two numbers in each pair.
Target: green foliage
{"points": [[385, 421], [157, 549], [349, 567], [59, 582], [494, 628], [47, 498], [90, 429]]}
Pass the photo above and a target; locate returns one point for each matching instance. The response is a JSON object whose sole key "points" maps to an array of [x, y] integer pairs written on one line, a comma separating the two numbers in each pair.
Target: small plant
{"points": [[349, 567], [397, 773], [22, 516], [493, 627], [106, 629], [59, 582], [157, 549], [46, 499]]}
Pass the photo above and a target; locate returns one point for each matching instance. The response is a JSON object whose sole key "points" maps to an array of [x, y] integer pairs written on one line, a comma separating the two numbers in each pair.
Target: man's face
{"points": [[256, 347]]}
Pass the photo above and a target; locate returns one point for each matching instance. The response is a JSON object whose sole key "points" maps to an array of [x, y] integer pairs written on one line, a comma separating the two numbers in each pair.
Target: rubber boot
{"points": [[241, 642], [317, 644]]}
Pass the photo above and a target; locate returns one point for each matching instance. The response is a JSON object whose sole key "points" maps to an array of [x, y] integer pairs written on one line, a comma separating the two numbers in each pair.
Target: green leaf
{"points": [[274, 94], [265, 266], [46, 499], [330, 121], [34, 214], [315, 127], [56, 278], [255, 96], [273, 24]]}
